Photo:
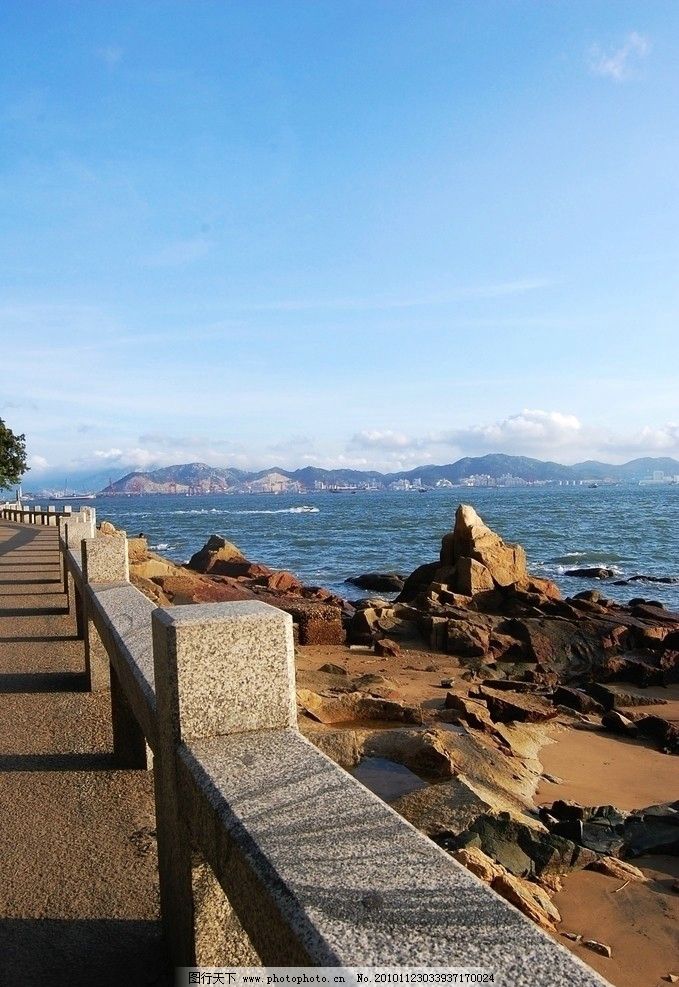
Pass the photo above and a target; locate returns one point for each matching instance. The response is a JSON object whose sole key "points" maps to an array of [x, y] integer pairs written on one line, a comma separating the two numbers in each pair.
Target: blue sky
{"points": [[338, 233]]}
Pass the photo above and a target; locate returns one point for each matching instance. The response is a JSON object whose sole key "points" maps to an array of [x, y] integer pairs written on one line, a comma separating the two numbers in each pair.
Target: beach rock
{"points": [[466, 639], [106, 528], [612, 696], [422, 751], [331, 669], [355, 707], [576, 699], [418, 581], [478, 863], [383, 582], [620, 869], [524, 850], [507, 707], [449, 807], [363, 626], [590, 596], [472, 577], [137, 550], [386, 648], [661, 732], [153, 567], [215, 550], [282, 581], [344, 747], [593, 572], [471, 711], [600, 829], [615, 722], [598, 947], [471, 538], [529, 898], [654, 829], [184, 587]]}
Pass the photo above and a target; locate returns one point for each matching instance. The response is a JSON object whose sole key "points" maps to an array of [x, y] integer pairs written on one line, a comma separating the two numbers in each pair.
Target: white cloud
{"points": [[648, 441], [108, 454], [530, 431], [374, 439], [37, 462], [619, 64]]}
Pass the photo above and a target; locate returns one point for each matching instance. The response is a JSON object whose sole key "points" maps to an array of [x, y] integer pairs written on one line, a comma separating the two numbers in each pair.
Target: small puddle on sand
{"points": [[386, 778]]}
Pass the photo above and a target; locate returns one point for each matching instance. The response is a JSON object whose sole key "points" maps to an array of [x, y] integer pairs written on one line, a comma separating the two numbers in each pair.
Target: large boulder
{"points": [[216, 550], [471, 538]]}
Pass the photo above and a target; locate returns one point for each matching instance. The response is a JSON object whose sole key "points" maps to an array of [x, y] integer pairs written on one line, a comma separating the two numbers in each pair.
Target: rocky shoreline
{"points": [[478, 664]]}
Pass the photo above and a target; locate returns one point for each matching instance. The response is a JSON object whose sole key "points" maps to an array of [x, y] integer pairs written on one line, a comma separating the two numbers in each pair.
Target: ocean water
{"points": [[324, 537]]}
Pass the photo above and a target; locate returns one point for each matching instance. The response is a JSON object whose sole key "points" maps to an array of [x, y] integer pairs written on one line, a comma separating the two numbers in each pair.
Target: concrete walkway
{"points": [[78, 871]]}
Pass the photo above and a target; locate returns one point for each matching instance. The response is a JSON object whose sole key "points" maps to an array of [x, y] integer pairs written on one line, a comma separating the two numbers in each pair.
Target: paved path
{"points": [[78, 872]]}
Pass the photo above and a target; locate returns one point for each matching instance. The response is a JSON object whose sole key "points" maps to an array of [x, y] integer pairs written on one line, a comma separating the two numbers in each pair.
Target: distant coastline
{"points": [[483, 471], [493, 470]]}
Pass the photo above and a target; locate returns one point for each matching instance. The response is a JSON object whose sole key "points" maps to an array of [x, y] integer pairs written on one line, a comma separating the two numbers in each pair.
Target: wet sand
{"points": [[639, 922], [599, 768]]}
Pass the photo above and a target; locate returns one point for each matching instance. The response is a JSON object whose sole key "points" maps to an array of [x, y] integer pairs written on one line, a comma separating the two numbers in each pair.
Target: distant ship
{"points": [[72, 495]]}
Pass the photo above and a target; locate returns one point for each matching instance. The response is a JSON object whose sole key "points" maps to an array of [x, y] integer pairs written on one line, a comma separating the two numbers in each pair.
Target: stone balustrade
{"points": [[268, 851]]}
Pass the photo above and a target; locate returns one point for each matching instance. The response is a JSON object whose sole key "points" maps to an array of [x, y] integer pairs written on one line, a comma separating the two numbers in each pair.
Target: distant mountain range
{"points": [[200, 478]]}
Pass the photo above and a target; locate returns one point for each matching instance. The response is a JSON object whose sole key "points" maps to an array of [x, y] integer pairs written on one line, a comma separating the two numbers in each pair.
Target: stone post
{"points": [[73, 534], [104, 561], [220, 668], [52, 516]]}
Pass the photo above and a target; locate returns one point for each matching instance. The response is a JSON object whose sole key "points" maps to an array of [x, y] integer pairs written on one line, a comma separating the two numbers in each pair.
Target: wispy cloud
{"points": [[620, 63], [385, 303]]}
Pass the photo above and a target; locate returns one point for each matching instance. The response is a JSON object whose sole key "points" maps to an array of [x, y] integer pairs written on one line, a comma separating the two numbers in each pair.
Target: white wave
{"points": [[161, 545], [283, 510], [615, 569]]}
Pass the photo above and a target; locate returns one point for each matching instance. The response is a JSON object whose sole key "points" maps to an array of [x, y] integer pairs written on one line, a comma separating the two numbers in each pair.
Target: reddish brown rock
{"points": [[215, 550], [508, 707], [386, 648], [283, 581]]}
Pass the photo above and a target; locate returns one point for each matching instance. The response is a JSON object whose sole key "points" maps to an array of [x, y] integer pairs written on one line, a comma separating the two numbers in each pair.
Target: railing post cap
{"points": [[224, 668]]}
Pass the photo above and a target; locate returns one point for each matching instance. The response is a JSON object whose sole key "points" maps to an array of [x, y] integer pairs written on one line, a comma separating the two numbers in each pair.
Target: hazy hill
{"points": [[201, 478]]}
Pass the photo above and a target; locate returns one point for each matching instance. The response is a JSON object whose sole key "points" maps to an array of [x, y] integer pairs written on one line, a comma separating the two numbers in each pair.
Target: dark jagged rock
{"points": [[576, 699], [383, 582], [522, 849], [615, 722], [661, 732], [611, 832], [593, 572], [654, 829]]}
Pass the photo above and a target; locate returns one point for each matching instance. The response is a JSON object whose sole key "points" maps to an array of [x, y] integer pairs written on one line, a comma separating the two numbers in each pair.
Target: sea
{"points": [[326, 537]]}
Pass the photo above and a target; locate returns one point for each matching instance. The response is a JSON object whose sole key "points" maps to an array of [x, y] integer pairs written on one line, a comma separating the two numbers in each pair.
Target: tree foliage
{"points": [[12, 456]]}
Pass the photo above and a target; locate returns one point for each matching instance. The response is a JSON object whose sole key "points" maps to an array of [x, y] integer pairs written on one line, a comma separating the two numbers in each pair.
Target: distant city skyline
{"points": [[340, 234]]}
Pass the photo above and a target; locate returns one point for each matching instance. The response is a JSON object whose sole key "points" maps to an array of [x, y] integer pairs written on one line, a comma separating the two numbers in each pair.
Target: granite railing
{"points": [[33, 515], [268, 852]]}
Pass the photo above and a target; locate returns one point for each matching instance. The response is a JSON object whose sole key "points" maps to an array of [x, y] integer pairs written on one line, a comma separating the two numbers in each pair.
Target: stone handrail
{"points": [[34, 515], [268, 851]]}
